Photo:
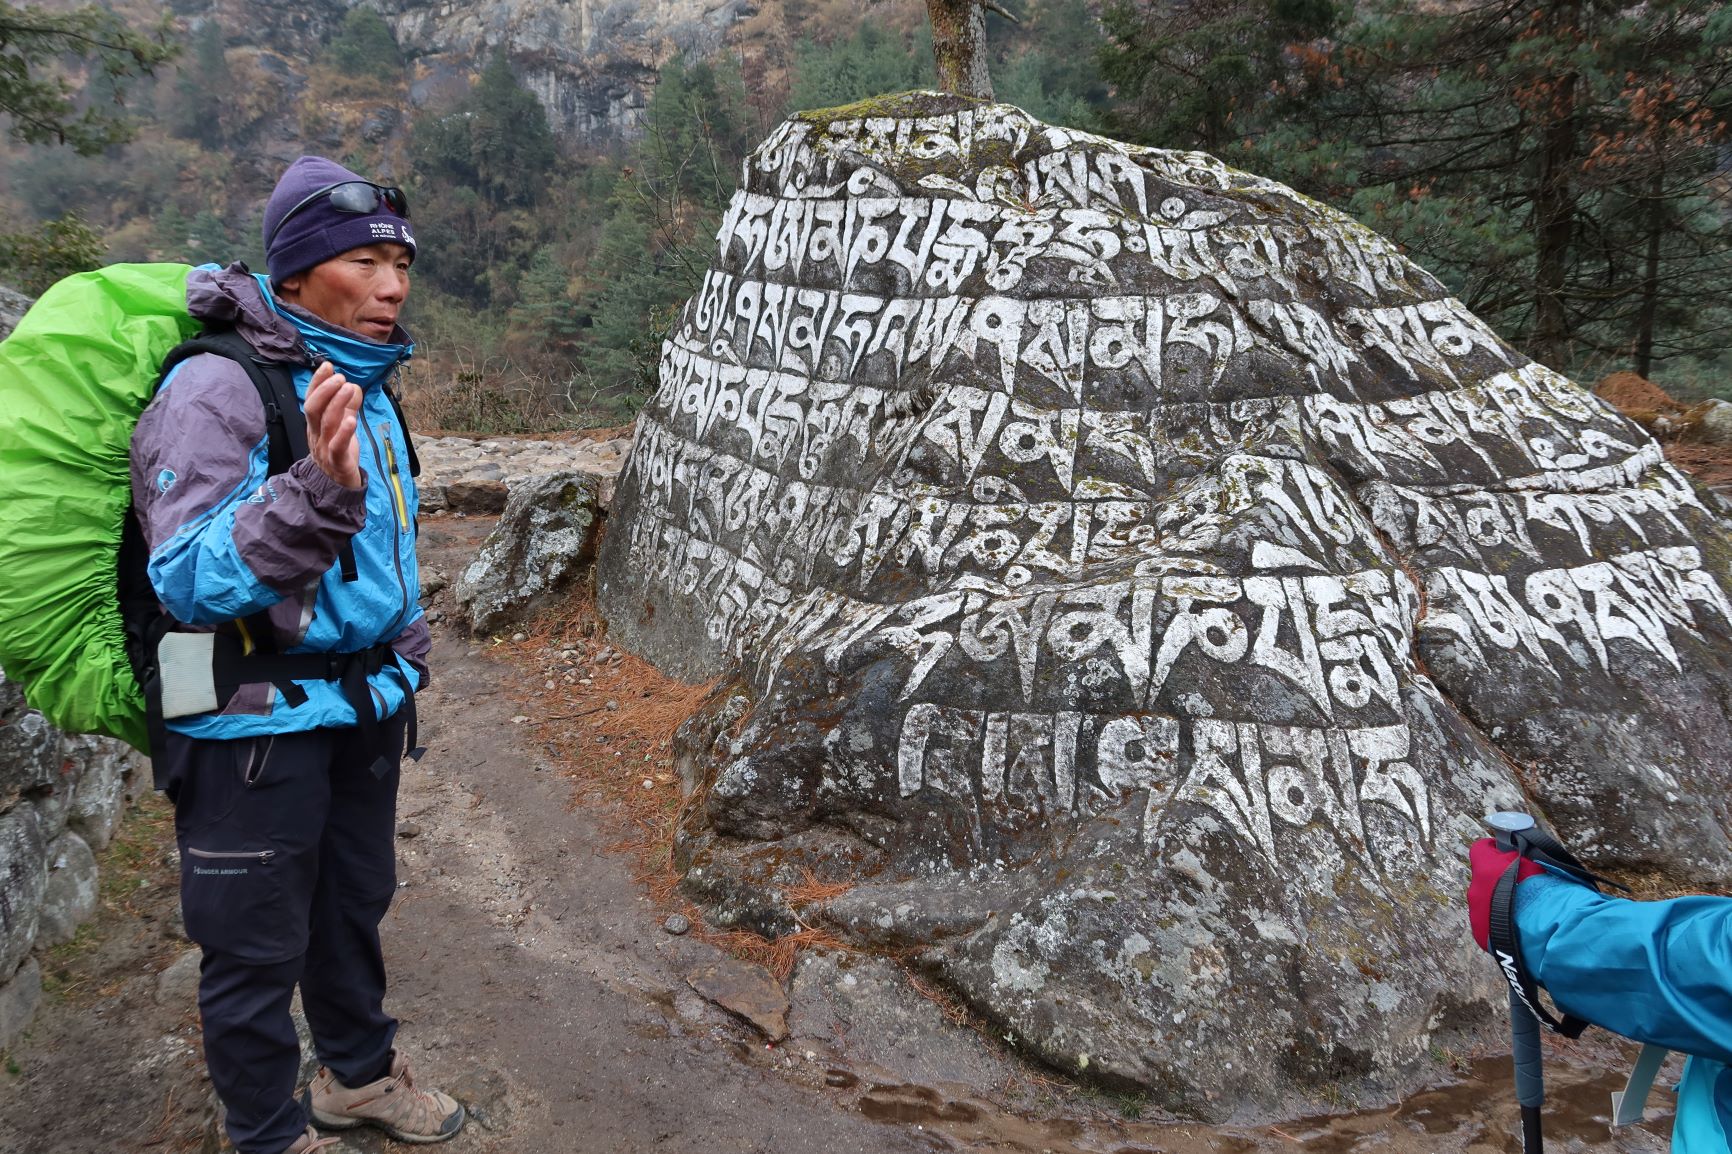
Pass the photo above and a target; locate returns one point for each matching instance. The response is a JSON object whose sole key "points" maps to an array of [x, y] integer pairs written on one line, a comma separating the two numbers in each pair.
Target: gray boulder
{"points": [[30, 763], [19, 996], [543, 539], [23, 878], [69, 899], [177, 984], [1143, 579], [13, 306], [103, 770], [1714, 425]]}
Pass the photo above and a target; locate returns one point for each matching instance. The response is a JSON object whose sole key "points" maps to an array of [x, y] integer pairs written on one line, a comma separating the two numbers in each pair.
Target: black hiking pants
{"points": [[288, 864]]}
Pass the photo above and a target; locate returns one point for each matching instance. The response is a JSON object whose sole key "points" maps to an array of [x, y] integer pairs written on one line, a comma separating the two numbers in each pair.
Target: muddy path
{"points": [[536, 978]]}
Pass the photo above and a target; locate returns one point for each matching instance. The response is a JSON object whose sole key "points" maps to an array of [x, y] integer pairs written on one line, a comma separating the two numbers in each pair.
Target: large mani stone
{"points": [[1144, 579], [543, 539]]}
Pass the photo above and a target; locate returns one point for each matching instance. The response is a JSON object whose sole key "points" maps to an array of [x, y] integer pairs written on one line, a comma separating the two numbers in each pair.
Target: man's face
{"points": [[361, 290]]}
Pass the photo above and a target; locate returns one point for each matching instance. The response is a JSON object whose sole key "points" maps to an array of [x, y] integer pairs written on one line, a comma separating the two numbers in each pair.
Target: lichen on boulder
{"points": [[1143, 579], [544, 539]]}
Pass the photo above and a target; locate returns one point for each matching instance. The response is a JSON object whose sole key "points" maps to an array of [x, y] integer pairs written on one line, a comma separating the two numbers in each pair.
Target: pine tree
{"points": [[870, 61], [1556, 162], [208, 240], [364, 46], [479, 168], [201, 87], [510, 145], [664, 211], [1049, 63], [1211, 74], [1576, 141]]}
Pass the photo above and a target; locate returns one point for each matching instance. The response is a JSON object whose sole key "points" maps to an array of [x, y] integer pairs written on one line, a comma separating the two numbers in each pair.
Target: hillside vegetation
{"points": [[1560, 165]]}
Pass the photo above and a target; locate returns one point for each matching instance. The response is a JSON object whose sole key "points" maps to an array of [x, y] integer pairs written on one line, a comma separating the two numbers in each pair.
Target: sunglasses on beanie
{"points": [[360, 197]]}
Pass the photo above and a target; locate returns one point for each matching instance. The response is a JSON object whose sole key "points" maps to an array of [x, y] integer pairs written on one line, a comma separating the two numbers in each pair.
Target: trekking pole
{"points": [[1524, 1025]]}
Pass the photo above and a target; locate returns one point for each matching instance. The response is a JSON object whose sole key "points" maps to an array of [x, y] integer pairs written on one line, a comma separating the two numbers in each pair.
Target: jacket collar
{"points": [[231, 296], [280, 331], [366, 362]]}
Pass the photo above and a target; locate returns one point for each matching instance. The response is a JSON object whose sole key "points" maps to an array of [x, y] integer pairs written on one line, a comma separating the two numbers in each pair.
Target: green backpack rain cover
{"points": [[74, 378]]}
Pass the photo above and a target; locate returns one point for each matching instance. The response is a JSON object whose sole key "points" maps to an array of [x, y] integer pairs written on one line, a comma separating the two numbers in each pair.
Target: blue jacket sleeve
{"points": [[1654, 971], [224, 541]]}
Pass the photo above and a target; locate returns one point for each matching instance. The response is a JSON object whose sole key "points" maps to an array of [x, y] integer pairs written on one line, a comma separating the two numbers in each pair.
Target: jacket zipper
{"points": [[396, 548], [396, 480], [259, 855], [256, 769]]}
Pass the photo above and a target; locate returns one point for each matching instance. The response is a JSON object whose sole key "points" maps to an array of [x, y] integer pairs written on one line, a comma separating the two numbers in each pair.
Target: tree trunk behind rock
{"points": [[959, 45]]}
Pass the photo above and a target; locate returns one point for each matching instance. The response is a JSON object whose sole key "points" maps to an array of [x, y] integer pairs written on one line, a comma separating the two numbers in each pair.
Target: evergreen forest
{"points": [[1563, 165]]}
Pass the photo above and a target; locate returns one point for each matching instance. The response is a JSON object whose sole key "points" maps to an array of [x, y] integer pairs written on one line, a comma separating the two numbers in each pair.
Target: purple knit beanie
{"points": [[318, 231]]}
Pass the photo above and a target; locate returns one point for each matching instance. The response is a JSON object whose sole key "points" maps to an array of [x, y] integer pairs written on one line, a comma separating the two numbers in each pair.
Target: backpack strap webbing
{"points": [[403, 423]]}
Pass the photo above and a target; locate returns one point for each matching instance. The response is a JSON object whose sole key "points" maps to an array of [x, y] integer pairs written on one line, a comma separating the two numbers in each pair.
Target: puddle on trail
{"points": [[1477, 1115]]}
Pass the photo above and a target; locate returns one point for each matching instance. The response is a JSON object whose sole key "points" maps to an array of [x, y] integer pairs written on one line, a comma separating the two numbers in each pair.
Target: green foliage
{"points": [[1555, 162], [479, 169], [510, 145], [200, 239], [39, 102], [202, 87], [1048, 63], [546, 317], [364, 46], [869, 62], [495, 141], [664, 212], [1210, 74], [35, 260]]}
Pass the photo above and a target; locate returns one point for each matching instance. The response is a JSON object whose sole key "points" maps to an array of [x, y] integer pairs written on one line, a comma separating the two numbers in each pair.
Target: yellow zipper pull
{"points": [[396, 481]]}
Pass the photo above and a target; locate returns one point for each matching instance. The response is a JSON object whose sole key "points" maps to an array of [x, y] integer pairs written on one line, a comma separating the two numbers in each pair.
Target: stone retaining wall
{"points": [[61, 797]]}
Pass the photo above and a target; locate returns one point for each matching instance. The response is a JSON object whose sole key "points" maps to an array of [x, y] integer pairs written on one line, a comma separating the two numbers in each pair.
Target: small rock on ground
{"points": [[177, 985], [747, 991]]}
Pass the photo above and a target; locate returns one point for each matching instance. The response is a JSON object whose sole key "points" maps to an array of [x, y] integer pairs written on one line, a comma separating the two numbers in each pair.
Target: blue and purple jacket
{"points": [[1658, 972], [227, 542]]}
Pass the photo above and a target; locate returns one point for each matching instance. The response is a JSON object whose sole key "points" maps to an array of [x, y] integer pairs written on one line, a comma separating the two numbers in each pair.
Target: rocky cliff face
{"points": [[591, 64], [1138, 580]]}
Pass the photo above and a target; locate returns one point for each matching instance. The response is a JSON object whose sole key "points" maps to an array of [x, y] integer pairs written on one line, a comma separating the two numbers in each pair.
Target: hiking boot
{"points": [[309, 1142], [392, 1103]]}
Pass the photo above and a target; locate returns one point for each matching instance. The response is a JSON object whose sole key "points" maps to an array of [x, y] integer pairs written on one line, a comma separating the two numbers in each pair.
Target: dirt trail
{"points": [[534, 978]]}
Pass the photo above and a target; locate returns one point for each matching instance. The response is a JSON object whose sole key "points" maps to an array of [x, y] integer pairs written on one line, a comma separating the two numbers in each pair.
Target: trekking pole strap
{"points": [[1505, 941]]}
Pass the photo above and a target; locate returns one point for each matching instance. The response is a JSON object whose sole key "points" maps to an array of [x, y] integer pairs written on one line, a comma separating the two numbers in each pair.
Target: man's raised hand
{"points": [[333, 408]]}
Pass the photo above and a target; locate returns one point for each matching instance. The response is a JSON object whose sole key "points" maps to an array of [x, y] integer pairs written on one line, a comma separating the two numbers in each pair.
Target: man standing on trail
{"points": [[285, 792]]}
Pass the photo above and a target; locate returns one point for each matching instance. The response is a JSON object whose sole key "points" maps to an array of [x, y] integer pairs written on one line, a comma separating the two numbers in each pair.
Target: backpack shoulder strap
{"points": [[285, 423], [403, 423]]}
